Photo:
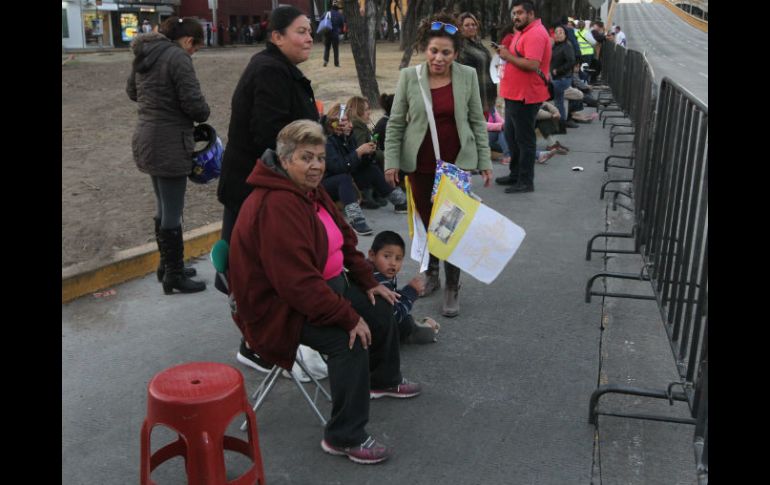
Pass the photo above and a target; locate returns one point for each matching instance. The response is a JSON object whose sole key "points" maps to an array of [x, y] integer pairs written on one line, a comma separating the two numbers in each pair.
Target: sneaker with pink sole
{"points": [[404, 390], [367, 453]]}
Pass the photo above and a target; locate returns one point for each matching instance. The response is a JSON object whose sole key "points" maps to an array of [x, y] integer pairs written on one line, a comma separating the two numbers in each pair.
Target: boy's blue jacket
{"points": [[403, 306]]}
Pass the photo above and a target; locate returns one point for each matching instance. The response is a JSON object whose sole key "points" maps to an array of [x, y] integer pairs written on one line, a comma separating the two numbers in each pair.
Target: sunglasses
{"points": [[448, 28]]}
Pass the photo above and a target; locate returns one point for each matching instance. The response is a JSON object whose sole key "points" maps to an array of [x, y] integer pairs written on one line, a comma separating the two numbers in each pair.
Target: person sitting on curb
{"points": [[387, 256], [296, 276]]}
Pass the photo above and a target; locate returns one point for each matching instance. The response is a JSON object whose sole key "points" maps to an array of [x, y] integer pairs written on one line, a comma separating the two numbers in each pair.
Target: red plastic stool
{"points": [[199, 400]]}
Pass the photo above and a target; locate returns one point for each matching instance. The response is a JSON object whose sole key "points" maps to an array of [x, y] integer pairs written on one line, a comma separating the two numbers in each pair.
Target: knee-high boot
{"points": [[172, 246], [189, 272], [432, 281], [451, 306]]}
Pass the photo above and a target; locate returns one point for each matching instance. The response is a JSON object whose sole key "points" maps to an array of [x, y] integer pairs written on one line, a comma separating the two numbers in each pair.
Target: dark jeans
{"points": [[371, 176], [521, 138], [340, 187], [352, 372], [332, 40]]}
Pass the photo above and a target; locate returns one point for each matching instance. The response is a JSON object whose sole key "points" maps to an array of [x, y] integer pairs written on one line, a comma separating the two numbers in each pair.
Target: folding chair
{"points": [[219, 259]]}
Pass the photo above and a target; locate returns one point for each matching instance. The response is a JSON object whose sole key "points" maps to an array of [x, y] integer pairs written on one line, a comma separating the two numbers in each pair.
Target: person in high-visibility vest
{"points": [[586, 42]]}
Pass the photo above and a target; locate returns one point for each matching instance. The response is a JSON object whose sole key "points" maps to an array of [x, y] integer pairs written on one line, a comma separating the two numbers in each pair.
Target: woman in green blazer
{"points": [[460, 124]]}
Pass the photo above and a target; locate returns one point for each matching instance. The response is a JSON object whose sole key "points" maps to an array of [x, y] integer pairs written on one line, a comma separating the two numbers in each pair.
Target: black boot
{"points": [[432, 281], [189, 272], [172, 247], [367, 199], [451, 306]]}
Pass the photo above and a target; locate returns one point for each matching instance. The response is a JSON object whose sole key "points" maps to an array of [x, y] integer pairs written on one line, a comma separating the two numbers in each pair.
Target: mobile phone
{"points": [[495, 45]]}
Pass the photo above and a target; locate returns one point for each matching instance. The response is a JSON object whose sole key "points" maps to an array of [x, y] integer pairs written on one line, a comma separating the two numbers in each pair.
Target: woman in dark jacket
{"points": [[475, 55], [374, 187], [562, 64], [271, 93], [164, 85], [343, 156]]}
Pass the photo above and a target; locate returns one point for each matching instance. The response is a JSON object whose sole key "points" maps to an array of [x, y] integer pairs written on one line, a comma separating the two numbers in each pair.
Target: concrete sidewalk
{"points": [[506, 388]]}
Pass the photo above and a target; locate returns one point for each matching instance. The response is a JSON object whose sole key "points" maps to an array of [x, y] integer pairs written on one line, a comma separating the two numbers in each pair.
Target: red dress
{"points": [[449, 145]]}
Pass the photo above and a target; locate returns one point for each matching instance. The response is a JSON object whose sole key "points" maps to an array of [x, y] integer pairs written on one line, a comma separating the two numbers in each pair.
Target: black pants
{"points": [[352, 372], [169, 200], [521, 138], [332, 40], [371, 177], [340, 187]]}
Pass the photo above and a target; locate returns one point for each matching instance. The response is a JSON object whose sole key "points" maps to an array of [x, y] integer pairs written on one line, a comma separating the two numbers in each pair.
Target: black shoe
{"points": [[369, 204], [506, 180], [246, 357], [570, 123], [519, 188], [400, 208], [325, 63]]}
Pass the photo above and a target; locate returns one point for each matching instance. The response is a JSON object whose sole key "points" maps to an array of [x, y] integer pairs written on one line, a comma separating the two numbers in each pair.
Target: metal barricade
{"points": [[670, 233]]}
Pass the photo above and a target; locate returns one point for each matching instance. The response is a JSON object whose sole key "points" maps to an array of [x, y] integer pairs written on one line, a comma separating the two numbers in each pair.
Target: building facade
{"points": [[102, 24]]}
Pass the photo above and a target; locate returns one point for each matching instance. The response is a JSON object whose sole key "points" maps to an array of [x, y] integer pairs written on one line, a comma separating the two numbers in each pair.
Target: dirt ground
{"points": [[107, 204]]}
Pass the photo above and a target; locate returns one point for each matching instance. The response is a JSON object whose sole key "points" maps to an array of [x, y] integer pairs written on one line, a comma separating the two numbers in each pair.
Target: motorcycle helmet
{"points": [[207, 162]]}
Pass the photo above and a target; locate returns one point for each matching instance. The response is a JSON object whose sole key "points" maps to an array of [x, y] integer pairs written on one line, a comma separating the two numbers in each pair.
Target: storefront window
{"points": [[65, 26], [129, 26], [97, 28]]}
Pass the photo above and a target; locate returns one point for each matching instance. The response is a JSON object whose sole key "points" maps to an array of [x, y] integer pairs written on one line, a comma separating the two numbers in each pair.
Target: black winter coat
{"points": [[341, 156], [562, 59], [271, 93], [163, 83]]}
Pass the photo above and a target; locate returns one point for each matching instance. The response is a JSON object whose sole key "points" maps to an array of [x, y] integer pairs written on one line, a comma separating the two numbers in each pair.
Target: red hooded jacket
{"points": [[278, 250]]}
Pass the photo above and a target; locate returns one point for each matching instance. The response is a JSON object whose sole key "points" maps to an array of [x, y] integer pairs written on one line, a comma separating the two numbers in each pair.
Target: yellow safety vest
{"points": [[585, 46]]}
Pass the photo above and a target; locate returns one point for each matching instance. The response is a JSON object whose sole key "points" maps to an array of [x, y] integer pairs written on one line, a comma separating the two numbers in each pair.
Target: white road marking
{"points": [[704, 75]]}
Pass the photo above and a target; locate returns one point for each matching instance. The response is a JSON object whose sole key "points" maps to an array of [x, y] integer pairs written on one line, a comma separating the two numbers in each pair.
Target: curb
{"points": [[80, 279]]}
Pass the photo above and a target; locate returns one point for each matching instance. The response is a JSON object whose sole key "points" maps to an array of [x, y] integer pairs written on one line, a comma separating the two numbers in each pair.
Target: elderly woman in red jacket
{"points": [[297, 277]]}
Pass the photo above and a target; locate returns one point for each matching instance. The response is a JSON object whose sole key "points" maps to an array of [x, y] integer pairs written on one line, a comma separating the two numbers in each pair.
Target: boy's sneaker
{"points": [[246, 357], [400, 208], [367, 453], [361, 227], [401, 391]]}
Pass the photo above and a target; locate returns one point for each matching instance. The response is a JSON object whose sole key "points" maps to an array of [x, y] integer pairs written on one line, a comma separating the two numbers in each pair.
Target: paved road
{"points": [[674, 48]]}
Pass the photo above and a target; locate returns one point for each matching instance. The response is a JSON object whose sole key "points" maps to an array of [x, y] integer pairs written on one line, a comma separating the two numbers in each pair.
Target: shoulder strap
{"points": [[539, 72], [429, 111]]}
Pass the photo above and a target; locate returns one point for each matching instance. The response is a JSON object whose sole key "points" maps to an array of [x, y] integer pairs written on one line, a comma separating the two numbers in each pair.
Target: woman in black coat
{"points": [[562, 64], [271, 93], [164, 85]]}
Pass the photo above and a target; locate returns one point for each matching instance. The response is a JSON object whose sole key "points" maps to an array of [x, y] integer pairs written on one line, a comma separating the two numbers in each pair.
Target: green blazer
{"points": [[408, 122]]}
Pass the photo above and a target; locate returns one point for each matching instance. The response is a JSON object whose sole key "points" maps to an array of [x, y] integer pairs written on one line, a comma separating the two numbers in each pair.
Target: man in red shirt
{"points": [[528, 58]]}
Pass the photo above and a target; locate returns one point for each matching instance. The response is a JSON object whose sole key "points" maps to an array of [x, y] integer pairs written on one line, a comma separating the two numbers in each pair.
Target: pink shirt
{"points": [[519, 85], [333, 266]]}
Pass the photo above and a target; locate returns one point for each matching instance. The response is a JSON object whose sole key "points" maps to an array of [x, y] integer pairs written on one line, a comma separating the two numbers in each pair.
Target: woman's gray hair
{"points": [[300, 132]]}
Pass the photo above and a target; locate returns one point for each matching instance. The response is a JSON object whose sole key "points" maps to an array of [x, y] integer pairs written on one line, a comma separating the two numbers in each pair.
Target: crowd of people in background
{"points": [[296, 180]]}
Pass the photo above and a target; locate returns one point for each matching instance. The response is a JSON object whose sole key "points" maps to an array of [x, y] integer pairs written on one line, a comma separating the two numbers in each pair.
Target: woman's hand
{"points": [[487, 176], [389, 295], [360, 330], [391, 176], [366, 149]]}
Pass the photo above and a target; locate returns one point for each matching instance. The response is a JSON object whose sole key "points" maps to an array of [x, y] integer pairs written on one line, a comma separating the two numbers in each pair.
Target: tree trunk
{"points": [[359, 43], [417, 10], [372, 23]]}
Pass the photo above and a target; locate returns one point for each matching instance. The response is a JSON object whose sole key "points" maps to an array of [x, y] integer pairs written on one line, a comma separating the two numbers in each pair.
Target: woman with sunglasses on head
{"points": [[460, 124]]}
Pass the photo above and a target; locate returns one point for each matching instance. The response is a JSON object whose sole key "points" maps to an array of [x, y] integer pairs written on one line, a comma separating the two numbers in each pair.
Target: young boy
{"points": [[387, 255]]}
